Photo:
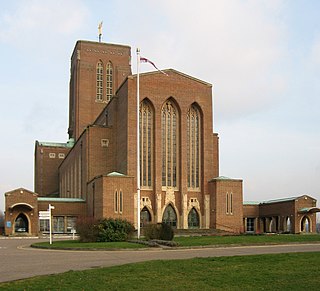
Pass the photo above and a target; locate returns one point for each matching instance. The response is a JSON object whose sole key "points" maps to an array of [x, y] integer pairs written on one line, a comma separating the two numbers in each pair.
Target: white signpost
{"points": [[46, 215]]}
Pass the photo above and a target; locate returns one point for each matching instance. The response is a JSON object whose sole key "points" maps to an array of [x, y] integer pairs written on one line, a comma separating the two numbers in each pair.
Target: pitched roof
{"points": [[173, 71]]}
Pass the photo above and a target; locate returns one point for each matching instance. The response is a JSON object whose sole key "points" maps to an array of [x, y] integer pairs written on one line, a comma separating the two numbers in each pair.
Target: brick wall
{"points": [[101, 197], [47, 162], [226, 210], [84, 108]]}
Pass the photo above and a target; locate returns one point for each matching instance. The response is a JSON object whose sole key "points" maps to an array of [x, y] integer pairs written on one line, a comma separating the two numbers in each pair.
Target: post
{"points": [[50, 224], [138, 144]]}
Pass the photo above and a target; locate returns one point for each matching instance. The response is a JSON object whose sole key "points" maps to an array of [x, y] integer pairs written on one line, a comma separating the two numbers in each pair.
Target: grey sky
{"points": [[262, 57]]}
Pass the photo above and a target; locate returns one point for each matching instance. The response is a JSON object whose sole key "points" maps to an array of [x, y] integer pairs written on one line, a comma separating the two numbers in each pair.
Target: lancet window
{"points": [[170, 144], [109, 79], [194, 147], [146, 144]]}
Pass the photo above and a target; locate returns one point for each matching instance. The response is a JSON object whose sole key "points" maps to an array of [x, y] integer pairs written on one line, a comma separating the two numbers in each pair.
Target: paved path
{"points": [[18, 261]]}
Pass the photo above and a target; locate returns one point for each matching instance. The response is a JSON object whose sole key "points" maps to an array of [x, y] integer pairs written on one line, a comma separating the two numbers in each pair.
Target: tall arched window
{"points": [[193, 147], [170, 144], [109, 75], [146, 144], [99, 77]]}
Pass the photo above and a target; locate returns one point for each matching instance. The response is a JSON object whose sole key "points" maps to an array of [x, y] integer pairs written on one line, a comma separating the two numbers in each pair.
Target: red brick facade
{"points": [[95, 173], [48, 157], [84, 107]]}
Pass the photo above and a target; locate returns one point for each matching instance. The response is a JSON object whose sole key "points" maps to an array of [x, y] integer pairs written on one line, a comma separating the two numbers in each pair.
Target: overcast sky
{"points": [[262, 57]]}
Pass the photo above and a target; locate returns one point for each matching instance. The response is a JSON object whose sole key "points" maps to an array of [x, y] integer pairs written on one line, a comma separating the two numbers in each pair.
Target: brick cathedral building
{"points": [[94, 173]]}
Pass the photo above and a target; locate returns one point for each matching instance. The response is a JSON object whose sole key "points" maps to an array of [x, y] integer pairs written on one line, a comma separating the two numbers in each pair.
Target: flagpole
{"points": [[138, 144]]}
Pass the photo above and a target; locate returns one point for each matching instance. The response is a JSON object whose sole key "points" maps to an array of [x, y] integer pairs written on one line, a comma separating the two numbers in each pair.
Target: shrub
{"points": [[87, 229], [166, 232], [111, 230], [152, 231], [160, 231]]}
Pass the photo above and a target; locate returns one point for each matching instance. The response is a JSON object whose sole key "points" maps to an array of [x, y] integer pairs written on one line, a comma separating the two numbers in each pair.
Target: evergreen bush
{"points": [[111, 230], [160, 231], [152, 231], [166, 232]]}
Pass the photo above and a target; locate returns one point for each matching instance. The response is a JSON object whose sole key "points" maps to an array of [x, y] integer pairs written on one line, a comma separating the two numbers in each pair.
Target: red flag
{"points": [[145, 60]]}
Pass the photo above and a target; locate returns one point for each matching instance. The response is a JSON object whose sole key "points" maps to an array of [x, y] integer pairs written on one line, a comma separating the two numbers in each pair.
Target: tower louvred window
{"points": [[109, 81]]}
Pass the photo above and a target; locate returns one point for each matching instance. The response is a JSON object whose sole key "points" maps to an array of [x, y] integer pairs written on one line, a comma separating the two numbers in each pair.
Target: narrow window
{"points": [[120, 202], [146, 144], [99, 85], [116, 201], [227, 203], [231, 202], [170, 144], [109, 77], [193, 147]]}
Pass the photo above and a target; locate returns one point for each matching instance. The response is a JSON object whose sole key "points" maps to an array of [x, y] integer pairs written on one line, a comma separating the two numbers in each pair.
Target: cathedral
{"points": [[94, 174]]}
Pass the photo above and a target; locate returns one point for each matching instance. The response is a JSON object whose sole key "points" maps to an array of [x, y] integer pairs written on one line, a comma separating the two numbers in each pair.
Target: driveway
{"points": [[19, 261]]}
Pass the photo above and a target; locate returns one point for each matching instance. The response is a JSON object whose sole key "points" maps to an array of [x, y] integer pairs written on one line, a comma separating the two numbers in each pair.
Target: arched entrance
{"points": [[193, 219], [305, 224], [145, 217], [170, 216], [21, 224]]}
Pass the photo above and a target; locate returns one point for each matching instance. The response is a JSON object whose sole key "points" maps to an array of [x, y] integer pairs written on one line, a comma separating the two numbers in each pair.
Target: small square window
{"points": [[104, 142], [61, 156]]}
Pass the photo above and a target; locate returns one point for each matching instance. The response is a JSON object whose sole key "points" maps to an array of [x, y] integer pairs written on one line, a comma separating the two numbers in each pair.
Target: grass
{"points": [[298, 271], [75, 244], [245, 239], [192, 241]]}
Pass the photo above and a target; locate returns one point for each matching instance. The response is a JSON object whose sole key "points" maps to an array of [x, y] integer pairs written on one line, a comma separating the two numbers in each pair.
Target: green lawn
{"points": [[75, 244], [246, 239], [192, 241], [298, 271]]}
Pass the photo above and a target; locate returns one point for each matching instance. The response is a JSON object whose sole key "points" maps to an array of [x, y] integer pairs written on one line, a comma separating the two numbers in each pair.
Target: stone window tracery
{"points": [[146, 144], [170, 144], [194, 147]]}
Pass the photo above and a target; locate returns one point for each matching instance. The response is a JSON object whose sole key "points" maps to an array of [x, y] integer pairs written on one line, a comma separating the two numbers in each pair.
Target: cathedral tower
{"points": [[97, 70]]}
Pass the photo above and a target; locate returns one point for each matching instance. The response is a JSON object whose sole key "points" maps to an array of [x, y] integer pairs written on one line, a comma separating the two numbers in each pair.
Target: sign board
{"points": [[44, 214], [8, 224]]}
